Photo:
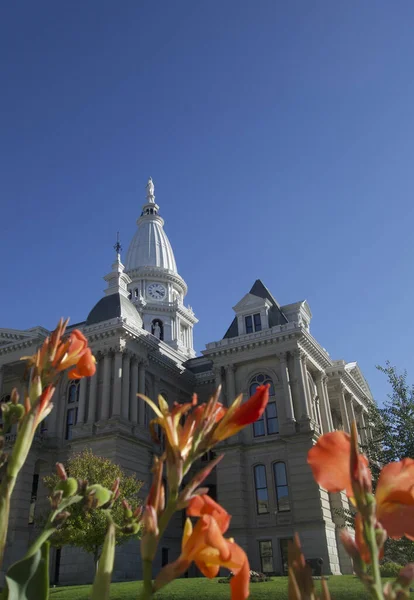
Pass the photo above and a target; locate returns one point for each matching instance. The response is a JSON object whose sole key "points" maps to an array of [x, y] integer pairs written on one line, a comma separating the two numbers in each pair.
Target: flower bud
{"points": [[14, 396], [69, 487], [61, 472], [406, 575], [98, 495]]}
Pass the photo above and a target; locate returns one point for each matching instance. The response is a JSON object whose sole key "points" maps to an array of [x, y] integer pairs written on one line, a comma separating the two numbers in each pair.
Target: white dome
{"points": [[150, 246]]}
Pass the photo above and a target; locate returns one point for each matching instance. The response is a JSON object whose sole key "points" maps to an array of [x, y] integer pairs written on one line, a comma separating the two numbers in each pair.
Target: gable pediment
{"points": [[250, 302]]}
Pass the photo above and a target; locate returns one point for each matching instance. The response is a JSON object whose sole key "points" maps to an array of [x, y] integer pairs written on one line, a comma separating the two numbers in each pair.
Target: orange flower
{"points": [[329, 460], [68, 353], [85, 367], [206, 546], [205, 505], [58, 354], [207, 424], [395, 498]]}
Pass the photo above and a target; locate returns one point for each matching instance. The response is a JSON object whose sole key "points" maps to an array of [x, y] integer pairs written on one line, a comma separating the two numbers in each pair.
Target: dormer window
{"points": [[253, 323]]}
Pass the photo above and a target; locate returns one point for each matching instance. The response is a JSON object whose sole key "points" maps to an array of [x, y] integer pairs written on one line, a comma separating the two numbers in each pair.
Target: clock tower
{"points": [[156, 288]]}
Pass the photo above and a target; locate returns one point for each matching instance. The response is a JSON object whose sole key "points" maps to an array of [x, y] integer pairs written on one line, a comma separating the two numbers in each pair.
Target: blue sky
{"points": [[280, 137]]}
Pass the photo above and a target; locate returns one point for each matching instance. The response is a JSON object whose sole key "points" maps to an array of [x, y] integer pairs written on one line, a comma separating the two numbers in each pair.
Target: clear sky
{"points": [[280, 137]]}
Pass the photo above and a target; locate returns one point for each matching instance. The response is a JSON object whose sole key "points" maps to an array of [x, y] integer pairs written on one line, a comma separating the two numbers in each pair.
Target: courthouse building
{"points": [[141, 333]]}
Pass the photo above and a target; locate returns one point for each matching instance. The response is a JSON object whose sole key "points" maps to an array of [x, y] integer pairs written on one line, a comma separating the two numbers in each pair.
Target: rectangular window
{"points": [[272, 421], [258, 427], [71, 417], [32, 509], [257, 322], [282, 489], [262, 500], [266, 555], [284, 554], [249, 324]]}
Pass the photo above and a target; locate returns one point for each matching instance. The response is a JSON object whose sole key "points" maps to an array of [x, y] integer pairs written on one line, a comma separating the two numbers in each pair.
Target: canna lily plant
{"points": [[190, 429], [338, 466]]}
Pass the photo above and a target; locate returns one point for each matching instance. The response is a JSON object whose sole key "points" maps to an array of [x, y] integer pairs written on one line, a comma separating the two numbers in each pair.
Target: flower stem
{"points": [[147, 591], [6, 490], [375, 587]]}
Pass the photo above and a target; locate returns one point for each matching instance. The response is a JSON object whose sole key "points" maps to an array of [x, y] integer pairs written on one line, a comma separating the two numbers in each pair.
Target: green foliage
{"points": [[392, 430], [86, 529], [28, 579], [390, 569]]}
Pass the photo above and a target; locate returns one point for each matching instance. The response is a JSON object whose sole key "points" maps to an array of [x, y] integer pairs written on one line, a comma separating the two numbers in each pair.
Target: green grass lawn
{"points": [[342, 587]]}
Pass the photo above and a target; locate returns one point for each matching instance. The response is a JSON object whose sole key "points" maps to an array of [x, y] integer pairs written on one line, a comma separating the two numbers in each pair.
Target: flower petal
{"points": [[329, 460], [205, 505]]}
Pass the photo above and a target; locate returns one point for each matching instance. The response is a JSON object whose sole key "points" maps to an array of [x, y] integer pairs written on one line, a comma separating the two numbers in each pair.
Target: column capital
{"points": [[282, 356], [143, 362], [298, 353], [231, 368]]}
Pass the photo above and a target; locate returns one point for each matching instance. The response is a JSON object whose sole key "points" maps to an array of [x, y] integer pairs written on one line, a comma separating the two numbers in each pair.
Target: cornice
{"points": [[158, 273], [267, 337]]}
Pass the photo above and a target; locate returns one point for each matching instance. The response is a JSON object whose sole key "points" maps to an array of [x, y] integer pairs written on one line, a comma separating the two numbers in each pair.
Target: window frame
{"points": [[248, 324], [284, 485], [269, 540], [71, 408], [257, 323], [266, 487], [263, 422]]}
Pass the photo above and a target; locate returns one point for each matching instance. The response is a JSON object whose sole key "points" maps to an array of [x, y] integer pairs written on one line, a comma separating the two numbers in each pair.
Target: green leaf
{"points": [[28, 579]]}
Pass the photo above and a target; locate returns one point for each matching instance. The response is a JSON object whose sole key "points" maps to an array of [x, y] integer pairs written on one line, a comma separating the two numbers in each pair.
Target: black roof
{"points": [[276, 316], [111, 307]]}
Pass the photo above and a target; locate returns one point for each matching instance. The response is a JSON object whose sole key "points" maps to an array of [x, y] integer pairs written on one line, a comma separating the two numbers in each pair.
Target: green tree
{"points": [[86, 529], [392, 428]]}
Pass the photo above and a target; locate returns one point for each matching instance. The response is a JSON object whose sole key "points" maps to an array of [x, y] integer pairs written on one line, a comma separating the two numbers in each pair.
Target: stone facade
{"points": [[141, 335]]}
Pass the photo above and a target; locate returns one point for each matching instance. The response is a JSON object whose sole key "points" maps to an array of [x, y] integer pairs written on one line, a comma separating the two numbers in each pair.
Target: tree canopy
{"points": [[86, 529]]}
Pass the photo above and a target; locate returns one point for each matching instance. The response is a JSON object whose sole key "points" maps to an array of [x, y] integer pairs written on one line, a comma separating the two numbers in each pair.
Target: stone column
{"points": [[92, 396], [328, 402], [125, 386], [82, 400], [350, 410], [117, 385], [342, 406], [106, 389], [299, 357], [1, 380], [284, 373], [363, 429], [141, 389], [217, 377], [134, 389], [230, 384], [324, 404]]}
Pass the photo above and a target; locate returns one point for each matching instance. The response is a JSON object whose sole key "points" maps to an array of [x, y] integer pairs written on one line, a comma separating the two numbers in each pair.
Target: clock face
{"points": [[156, 291]]}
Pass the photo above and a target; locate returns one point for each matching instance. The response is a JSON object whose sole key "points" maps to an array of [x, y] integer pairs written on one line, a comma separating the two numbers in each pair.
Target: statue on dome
{"points": [[150, 190]]}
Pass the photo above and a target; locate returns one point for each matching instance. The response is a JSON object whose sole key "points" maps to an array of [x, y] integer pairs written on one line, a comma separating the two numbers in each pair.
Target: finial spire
{"points": [[150, 191], [117, 245]]}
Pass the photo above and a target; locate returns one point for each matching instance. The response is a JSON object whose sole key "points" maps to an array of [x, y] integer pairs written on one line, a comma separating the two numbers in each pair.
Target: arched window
{"points": [[72, 403], [262, 499], [157, 329], [268, 423], [281, 485]]}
